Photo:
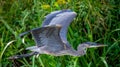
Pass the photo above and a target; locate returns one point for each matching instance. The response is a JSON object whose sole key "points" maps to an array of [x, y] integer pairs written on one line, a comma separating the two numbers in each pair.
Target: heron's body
{"points": [[53, 45], [51, 38]]}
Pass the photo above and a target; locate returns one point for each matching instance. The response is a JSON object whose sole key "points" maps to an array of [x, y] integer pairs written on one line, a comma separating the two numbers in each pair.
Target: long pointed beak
{"points": [[94, 45], [97, 45]]}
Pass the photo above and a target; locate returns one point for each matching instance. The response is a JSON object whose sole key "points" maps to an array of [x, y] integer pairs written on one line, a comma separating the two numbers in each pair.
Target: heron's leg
{"points": [[23, 55]]}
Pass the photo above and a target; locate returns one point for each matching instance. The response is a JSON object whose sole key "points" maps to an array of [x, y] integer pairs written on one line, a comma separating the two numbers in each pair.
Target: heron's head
{"points": [[82, 47]]}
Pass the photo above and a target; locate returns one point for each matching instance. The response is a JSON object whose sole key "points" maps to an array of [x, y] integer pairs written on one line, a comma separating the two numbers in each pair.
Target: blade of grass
{"points": [[40, 61], [104, 61], [3, 51]]}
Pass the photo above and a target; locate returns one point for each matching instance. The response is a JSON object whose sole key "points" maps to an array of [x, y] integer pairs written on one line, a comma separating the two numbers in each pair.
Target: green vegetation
{"points": [[97, 21]]}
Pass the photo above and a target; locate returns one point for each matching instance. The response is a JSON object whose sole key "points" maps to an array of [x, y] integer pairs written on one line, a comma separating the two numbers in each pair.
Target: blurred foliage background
{"points": [[96, 21]]}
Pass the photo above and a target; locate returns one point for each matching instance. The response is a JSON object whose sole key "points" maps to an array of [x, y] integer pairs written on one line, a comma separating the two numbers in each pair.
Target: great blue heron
{"points": [[51, 37]]}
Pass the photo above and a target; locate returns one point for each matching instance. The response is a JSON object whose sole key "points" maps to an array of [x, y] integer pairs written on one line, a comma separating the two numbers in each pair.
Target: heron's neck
{"points": [[81, 50]]}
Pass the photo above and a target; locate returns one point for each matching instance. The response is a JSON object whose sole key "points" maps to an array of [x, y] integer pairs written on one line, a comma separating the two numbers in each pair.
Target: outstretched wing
{"points": [[52, 15], [48, 36], [48, 19], [64, 19]]}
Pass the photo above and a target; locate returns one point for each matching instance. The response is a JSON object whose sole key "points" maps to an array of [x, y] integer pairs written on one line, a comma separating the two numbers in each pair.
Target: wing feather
{"points": [[50, 16], [48, 36]]}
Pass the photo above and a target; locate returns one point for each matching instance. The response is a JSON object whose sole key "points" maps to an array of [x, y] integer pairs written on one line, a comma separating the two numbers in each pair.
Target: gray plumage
{"points": [[51, 38]]}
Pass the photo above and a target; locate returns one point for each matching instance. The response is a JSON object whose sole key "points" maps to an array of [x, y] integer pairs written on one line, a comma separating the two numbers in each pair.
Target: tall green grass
{"points": [[97, 21]]}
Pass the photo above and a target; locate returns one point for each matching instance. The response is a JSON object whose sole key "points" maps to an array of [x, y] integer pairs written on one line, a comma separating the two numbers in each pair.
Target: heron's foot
{"points": [[23, 55]]}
